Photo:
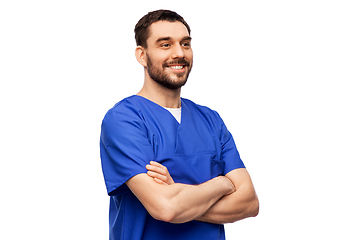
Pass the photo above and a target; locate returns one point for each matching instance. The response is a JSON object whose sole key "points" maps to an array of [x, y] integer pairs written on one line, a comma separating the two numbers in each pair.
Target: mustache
{"points": [[179, 61]]}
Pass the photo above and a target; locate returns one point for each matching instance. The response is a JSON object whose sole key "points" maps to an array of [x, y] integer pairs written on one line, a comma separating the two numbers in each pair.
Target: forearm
{"points": [[191, 201], [240, 204], [243, 203], [178, 203], [230, 209]]}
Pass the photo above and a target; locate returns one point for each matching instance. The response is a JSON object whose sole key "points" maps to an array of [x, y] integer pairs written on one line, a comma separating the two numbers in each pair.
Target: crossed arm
{"points": [[220, 200]]}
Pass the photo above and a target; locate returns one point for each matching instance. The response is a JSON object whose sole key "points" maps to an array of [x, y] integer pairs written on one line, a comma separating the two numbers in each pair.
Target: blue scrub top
{"points": [[136, 131]]}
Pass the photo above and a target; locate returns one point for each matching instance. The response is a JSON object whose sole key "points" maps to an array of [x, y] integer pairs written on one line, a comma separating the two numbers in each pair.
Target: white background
{"points": [[284, 76]]}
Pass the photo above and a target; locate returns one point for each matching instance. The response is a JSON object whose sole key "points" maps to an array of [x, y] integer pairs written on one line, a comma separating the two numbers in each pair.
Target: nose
{"points": [[178, 51]]}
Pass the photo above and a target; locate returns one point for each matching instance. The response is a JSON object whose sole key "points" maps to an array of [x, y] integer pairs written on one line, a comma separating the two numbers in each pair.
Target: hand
{"points": [[159, 173]]}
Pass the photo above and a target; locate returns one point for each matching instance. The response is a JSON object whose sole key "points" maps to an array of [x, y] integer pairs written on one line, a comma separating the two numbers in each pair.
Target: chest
{"points": [[191, 150]]}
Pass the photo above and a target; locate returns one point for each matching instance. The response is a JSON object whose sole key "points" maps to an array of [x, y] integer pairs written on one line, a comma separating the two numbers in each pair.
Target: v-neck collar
{"points": [[183, 107], [176, 112]]}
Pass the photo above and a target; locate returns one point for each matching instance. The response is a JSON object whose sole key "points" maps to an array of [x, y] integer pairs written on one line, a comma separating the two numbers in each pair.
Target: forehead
{"points": [[175, 30]]}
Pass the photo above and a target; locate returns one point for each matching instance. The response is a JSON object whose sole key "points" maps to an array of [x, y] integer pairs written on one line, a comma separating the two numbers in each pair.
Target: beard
{"points": [[162, 78]]}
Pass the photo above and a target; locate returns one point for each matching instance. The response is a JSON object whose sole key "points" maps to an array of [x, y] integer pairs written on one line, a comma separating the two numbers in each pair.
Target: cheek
{"points": [[157, 58], [189, 55]]}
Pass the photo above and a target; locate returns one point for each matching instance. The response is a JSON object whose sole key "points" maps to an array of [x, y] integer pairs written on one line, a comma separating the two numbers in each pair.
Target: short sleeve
{"points": [[124, 147], [229, 152]]}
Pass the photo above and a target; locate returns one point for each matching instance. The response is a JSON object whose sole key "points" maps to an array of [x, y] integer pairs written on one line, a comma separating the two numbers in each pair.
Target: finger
{"points": [[160, 181], [157, 175], [153, 168], [157, 169], [153, 163]]}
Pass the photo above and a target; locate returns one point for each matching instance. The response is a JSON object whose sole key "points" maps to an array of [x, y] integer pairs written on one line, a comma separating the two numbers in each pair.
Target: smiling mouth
{"points": [[178, 67]]}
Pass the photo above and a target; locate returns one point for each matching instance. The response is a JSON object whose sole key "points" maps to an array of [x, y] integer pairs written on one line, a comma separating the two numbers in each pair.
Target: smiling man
{"points": [[171, 167]]}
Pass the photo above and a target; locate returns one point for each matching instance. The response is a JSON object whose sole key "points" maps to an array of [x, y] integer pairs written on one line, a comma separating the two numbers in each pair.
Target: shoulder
{"points": [[203, 110], [123, 116], [126, 109], [126, 105]]}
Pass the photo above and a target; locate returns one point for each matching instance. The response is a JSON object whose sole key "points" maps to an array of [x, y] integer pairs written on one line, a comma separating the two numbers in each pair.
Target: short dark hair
{"points": [[142, 27]]}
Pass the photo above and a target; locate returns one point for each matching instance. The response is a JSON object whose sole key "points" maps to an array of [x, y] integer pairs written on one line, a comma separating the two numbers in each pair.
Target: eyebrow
{"points": [[187, 38], [163, 39]]}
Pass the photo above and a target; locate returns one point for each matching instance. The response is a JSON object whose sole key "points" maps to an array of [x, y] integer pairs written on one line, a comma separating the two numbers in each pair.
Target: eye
{"points": [[165, 45], [186, 44]]}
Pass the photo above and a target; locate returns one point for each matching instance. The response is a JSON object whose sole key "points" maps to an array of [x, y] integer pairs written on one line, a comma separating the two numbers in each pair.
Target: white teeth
{"points": [[177, 67]]}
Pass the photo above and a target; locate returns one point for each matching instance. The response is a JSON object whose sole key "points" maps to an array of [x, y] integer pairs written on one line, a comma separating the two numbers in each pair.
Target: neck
{"points": [[160, 95]]}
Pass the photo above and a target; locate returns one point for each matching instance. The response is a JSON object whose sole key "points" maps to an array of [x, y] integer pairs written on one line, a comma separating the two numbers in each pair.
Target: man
{"points": [[171, 166]]}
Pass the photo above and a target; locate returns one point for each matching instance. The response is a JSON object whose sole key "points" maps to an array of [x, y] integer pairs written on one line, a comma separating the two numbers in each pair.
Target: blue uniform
{"points": [[136, 131]]}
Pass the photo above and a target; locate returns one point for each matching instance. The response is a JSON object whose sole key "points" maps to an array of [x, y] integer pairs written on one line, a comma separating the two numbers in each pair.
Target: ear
{"points": [[140, 55]]}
